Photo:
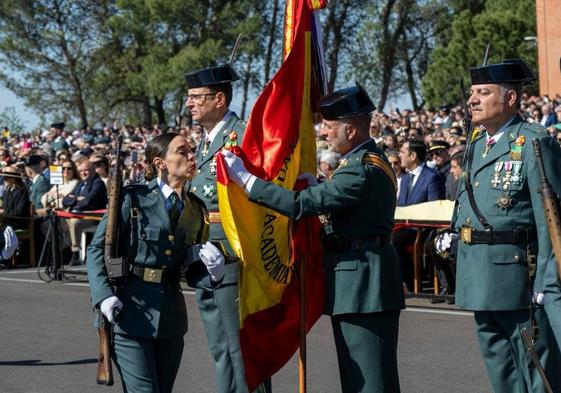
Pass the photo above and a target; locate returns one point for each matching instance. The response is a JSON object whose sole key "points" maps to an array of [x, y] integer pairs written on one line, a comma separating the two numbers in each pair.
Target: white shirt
{"points": [[416, 173], [212, 134]]}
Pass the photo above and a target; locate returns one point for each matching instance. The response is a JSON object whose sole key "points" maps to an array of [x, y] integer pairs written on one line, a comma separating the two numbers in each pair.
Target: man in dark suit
{"points": [[420, 183], [89, 194]]}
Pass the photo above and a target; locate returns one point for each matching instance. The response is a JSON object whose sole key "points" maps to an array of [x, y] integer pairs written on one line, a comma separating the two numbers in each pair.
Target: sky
{"points": [[31, 120], [8, 99]]}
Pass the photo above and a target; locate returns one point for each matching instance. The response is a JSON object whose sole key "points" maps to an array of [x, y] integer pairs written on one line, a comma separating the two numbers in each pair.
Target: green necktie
{"points": [[174, 211]]}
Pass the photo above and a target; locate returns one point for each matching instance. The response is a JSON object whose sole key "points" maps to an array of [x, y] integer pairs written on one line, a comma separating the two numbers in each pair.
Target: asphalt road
{"points": [[48, 345]]}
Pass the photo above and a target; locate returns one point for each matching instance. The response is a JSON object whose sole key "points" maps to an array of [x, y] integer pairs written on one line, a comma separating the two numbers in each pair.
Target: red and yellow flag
{"points": [[278, 145]]}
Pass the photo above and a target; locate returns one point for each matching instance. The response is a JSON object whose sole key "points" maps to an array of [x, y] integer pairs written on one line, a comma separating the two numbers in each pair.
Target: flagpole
{"points": [[303, 318]]}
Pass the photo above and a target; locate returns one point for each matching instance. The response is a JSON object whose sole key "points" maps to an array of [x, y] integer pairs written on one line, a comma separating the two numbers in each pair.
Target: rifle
{"points": [[115, 269], [529, 344], [551, 207]]}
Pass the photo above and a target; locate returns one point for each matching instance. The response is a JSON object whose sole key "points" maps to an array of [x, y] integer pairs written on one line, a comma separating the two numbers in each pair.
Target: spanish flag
{"points": [[278, 145]]}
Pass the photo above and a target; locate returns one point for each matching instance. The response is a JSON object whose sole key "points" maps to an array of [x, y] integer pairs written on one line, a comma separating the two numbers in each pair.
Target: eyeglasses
{"points": [[64, 168], [198, 98]]}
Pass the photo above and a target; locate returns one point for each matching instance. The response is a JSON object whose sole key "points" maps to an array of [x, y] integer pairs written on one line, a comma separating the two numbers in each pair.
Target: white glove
{"points": [[11, 243], [312, 180], [111, 307], [447, 242], [237, 172], [213, 260]]}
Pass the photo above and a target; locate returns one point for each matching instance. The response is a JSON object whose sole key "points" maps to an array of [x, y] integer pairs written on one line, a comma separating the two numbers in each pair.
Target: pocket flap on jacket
{"points": [[150, 234], [346, 265]]}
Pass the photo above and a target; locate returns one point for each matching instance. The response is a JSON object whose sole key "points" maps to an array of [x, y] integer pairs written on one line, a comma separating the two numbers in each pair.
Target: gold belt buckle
{"points": [[465, 234], [153, 275]]}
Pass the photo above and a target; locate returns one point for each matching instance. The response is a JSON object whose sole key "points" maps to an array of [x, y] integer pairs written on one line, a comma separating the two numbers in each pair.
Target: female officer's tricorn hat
{"points": [[509, 71], [211, 76], [346, 103]]}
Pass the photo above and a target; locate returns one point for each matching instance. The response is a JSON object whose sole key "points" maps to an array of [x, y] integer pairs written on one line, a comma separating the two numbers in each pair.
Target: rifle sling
{"points": [[469, 189], [480, 217], [134, 227]]}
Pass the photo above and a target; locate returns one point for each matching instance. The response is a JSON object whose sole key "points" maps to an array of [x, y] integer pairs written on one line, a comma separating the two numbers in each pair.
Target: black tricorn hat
{"points": [[509, 71], [211, 76], [60, 125], [34, 160], [346, 103]]}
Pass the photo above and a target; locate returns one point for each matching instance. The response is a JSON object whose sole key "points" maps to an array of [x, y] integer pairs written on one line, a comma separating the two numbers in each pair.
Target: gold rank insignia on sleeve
{"points": [[373, 159]]}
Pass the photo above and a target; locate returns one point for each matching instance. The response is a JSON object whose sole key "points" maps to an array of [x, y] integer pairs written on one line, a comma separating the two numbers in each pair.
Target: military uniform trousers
{"points": [[147, 365], [219, 312], [366, 346], [509, 367]]}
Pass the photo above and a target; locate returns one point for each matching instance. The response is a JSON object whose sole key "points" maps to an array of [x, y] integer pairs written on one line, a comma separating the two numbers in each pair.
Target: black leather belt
{"points": [[334, 243], [155, 276], [517, 236]]}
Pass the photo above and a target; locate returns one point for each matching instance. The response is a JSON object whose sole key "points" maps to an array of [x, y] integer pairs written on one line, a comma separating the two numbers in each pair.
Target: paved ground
{"points": [[48, 345]]}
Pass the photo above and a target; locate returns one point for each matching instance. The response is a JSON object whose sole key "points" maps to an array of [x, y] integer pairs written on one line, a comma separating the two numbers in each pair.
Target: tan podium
{"points": [[434, 214]]}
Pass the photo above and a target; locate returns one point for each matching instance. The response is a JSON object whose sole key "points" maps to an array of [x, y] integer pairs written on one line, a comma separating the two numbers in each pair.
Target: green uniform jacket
{"points": [[204, 186], [41, 186], [494, 277], [361, 202], [149, 310]]}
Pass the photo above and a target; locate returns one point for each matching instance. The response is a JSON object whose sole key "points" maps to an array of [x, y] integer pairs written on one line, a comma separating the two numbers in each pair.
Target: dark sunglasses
{"points": [[67, 167]]}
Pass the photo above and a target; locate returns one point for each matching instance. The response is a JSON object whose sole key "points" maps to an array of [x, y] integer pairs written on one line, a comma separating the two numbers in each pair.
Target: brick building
{"points": [[548, 14]]}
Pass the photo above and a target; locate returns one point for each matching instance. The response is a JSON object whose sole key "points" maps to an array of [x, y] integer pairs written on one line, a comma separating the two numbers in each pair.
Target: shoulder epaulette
{"points": [[370, 158], [536, 128]]}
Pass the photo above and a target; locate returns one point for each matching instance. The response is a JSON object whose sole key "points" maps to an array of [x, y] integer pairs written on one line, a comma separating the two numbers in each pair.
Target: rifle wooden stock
{"points": [[104, 369], [551, 207]]}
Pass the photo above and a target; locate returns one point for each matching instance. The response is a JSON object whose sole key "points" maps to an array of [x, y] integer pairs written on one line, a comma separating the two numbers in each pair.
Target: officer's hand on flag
{"points": [[237, 172]]}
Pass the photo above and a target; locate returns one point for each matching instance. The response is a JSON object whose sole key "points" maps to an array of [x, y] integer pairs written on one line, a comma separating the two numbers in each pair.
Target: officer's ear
{"points": [[159, 163], [221, 100], [350, 130], [511, 97]]}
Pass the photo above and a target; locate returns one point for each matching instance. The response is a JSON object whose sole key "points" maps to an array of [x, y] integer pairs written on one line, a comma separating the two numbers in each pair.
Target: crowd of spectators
{"points": [[424, 147]]}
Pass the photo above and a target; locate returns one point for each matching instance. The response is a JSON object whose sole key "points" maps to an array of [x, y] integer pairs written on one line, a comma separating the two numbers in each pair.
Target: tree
{"points": [[46, 43], [9, 118], [502, 23]]}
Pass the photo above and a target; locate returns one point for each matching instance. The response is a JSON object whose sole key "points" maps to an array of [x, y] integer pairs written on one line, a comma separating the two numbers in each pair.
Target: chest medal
{"points": [[504, 201]]}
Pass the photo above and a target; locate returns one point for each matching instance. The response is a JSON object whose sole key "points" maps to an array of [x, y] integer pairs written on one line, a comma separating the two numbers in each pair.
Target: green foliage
{"points": [[9, 118], [503, 23]]}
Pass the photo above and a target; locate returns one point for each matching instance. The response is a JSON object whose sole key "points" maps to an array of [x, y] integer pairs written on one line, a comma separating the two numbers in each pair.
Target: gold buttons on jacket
{"points": [[468, 221], [167, 252], [194, 189], [476, 184], [171, 238], [198, 171], [517, 258]]}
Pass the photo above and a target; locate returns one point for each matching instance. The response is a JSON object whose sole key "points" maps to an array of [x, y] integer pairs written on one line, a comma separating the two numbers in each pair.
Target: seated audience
{"points": [[89, 194]]}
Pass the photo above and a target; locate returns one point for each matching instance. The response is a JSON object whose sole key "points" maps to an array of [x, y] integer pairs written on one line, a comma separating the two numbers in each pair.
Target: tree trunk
{"points": [[147, 110], [245, 84], [334, 24], [411, 84], [270, 45], [160, 112]]}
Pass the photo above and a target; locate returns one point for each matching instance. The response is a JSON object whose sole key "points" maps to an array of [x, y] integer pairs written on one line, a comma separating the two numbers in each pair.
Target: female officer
{"points": [[158, 223]]}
